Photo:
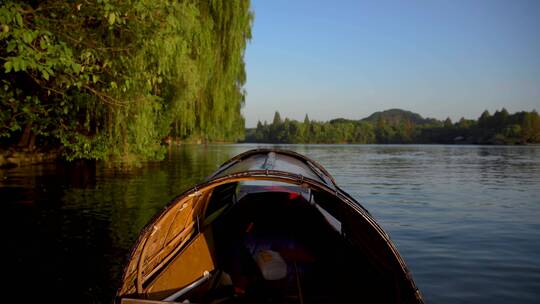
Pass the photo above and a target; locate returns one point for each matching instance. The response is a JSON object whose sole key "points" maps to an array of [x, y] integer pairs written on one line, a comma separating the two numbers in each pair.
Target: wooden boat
{"points": [[269, 226]]}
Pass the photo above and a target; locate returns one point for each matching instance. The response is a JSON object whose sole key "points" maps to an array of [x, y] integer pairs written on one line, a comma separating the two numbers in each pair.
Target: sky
{"points": [[450, 58]]}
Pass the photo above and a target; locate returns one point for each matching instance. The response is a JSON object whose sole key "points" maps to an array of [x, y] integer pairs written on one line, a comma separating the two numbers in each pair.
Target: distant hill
{"points": [[396, 116]]}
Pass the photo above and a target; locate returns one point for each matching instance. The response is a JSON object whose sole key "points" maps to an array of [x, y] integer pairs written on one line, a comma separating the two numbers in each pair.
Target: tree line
{"points": [[113, 78], [403, 127]]}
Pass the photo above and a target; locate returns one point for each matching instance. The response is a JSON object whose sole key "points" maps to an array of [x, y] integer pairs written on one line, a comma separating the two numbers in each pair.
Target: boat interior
{"points": [[268, 242], [321, 266]]}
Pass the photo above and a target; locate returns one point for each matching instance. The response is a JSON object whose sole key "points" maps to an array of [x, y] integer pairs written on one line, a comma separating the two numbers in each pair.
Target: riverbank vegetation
{"points": [[397, 126], [113, 79]]}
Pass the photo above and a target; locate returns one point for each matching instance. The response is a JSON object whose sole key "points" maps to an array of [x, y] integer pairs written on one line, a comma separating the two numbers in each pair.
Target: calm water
{"points": [[465, 218]]}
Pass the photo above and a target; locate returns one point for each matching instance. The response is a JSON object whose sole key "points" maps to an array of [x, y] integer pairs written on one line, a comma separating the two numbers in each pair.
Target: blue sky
{"points": [[348, 59]]}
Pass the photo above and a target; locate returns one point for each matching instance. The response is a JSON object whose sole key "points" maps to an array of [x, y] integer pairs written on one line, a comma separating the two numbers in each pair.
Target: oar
{"points": [[183, 291], [300, 296]]}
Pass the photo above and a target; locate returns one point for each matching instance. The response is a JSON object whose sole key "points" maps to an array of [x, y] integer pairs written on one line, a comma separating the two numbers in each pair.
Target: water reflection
{"points": [[72, 225]]}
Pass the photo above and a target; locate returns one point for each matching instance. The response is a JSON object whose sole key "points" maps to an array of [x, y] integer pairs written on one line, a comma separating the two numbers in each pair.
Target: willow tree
{"points": [[218, 56], [113, 78]]}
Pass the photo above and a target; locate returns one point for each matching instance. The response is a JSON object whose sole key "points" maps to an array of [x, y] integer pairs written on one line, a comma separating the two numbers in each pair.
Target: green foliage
{"points": [[111, 78], [292, 131], [391, 127]]}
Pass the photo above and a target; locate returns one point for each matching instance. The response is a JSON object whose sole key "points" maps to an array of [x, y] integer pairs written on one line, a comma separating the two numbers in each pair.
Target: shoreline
{"points": [[13, 157]]}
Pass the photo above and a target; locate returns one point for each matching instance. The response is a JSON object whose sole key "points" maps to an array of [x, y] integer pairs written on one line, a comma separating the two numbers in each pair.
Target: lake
{"points": [[466, 219]]}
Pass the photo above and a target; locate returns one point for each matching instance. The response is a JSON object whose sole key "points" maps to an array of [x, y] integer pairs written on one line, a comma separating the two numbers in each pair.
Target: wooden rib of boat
{"points": [[269, 226]]}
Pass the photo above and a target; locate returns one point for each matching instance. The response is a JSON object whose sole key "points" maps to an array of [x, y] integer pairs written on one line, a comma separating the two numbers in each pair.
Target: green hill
{"points": [[395, 117]]}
